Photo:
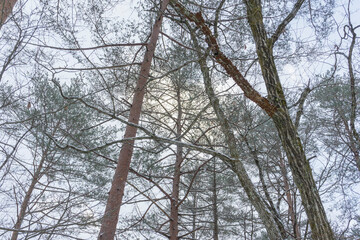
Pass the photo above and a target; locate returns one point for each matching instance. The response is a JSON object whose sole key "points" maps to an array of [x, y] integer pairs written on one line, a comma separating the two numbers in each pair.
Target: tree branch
{"points": [[225, 62], [281, 28]]}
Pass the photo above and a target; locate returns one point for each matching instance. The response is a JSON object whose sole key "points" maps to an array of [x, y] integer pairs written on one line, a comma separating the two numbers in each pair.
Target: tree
{"points": [[43, 186], [275, 105], [108, 226], [6, 8], [245, 120]]}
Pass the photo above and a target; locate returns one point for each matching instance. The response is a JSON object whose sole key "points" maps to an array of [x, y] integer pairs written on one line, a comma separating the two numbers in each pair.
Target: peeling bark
{"points": [[225, 62]]}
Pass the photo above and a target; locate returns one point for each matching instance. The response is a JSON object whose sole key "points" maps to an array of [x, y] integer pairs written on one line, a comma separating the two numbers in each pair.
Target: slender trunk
{"points": [[291, 211], [214, 203], [194, 207], [354, 136], [36, 177], [271, 204], [292, 145], [353, 145], [111, 215], [26, 200], [6, 8], [174, 221], [268, 219]]}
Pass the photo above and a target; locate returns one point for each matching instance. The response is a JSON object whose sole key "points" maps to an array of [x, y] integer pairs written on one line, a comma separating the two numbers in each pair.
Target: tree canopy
{"points": [[179, 119]]}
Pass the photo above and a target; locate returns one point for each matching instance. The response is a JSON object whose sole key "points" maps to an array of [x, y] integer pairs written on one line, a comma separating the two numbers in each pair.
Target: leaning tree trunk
{"points": [[6, 7], [275, 106], [110, 219], [35, 179], [291, 143], [273, 225], [25, 203]]}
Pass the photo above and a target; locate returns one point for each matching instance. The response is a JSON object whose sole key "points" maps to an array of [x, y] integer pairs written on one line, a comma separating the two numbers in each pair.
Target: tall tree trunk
{"points": [[292, 145], [214, 204], [174, 221], [274, 228], [194, 220], [354, 135], [110, 219], [275, 107], [6, 8]]}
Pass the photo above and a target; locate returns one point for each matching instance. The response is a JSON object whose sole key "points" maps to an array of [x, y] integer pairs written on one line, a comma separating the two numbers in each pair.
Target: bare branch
{"points": [[281, 28]]}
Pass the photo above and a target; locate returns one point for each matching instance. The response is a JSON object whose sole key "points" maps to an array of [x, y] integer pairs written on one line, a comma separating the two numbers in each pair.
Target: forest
{"points": [[180, 119]]}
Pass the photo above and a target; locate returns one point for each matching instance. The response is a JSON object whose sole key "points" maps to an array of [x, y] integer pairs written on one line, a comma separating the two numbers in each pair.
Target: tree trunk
{"points": [[35, 179], [275, 107], [292, 145], [26, 200], [214, 203], [174, 221], [110, 219], [274, 231], [354, 135], [194, 220], [6, 8]]}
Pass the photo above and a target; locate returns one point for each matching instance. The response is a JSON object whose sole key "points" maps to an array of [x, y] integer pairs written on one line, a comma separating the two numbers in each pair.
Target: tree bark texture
{"points": [[6, 8], [110, 219], [291, 143], [353, 136]]}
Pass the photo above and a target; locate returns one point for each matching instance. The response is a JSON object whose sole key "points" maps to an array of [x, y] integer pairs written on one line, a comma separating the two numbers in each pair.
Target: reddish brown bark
{"points": [[225, 62], [6, 8], [110, 219]]}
